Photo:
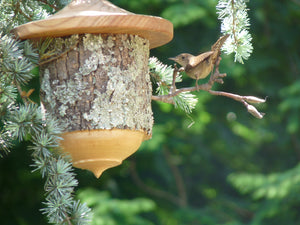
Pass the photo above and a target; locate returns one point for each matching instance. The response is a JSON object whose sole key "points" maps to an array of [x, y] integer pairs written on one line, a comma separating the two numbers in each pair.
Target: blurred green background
{"points": [[228, 167]]}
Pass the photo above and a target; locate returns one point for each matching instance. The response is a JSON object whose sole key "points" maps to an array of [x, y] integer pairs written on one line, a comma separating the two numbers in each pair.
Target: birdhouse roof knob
{"points": [[98, 16]]}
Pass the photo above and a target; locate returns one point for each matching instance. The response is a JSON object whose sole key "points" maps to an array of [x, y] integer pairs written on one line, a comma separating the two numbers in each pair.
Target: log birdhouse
{"points": [[95, 78]]}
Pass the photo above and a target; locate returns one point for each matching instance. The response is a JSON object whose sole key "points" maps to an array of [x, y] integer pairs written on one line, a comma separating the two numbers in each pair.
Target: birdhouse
{"points": [[95, 78]]}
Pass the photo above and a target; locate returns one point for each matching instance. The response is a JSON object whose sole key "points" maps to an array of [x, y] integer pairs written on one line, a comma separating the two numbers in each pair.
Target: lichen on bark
{"points": [[101, 83]]}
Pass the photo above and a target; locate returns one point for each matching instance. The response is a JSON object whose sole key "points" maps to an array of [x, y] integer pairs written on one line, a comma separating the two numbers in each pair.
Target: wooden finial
{"points": [[101, 149]]}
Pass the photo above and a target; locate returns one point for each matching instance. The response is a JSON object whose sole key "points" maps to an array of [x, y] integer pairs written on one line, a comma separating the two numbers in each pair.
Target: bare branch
{"points": [[153, 191], [175, 73], [228, 95], [178, 179], [215, 77]]}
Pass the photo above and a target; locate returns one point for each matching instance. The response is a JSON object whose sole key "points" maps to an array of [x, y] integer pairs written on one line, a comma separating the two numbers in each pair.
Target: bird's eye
{"points": [[182, 57]]}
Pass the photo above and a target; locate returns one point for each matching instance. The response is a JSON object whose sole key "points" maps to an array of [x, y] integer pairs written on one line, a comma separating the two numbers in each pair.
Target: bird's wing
{"points": [[200, 58]]}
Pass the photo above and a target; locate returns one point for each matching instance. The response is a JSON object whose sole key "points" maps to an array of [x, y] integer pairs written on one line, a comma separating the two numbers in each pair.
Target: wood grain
{"points": [[98, 16]]}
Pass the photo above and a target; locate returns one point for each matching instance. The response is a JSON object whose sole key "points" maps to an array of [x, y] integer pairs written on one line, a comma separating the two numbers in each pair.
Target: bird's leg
{"points": [[197, 86], [181, 69]]}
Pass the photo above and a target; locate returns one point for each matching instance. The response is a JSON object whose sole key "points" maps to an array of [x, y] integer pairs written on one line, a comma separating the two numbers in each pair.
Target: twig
{"points": [[19, 10], [228, 95], [153, 191], [25, 95], [50, 5], [215, 77], [21, 94], [178, 179], [67, 218], [233, 22], [175, 74], [59, 55]]}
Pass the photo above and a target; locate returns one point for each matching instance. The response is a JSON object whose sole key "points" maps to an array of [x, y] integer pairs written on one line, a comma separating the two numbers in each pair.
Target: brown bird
{"points": [[200, 66]]}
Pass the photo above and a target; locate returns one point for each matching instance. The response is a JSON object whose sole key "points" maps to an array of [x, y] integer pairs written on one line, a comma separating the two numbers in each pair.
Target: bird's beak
{"points": [[174, 59]]}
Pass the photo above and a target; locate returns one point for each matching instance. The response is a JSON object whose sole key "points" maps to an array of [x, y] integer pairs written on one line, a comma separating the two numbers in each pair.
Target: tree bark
{"points": [[98, 81]]}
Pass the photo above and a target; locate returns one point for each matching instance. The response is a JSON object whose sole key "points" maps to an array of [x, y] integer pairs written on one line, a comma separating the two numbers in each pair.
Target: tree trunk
{"points": [[98, 81]]}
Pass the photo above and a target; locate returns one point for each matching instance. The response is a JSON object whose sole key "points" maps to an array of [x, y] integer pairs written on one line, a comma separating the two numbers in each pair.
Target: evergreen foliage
{"points": [[235, 21], [163, 77], [24, 121]]}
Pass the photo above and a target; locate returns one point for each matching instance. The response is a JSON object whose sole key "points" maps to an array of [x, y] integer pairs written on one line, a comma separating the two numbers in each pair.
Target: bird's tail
{"points": [[216, 48], [219, 43]]}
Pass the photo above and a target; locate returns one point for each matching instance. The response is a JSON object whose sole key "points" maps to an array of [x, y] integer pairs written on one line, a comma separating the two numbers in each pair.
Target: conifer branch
{"points": [[166, 78], [235, 21], [18, 10], [26, 122]]}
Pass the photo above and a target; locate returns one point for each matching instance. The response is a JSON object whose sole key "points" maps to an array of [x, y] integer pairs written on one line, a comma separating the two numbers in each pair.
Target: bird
{"points": [[200, 66]]}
